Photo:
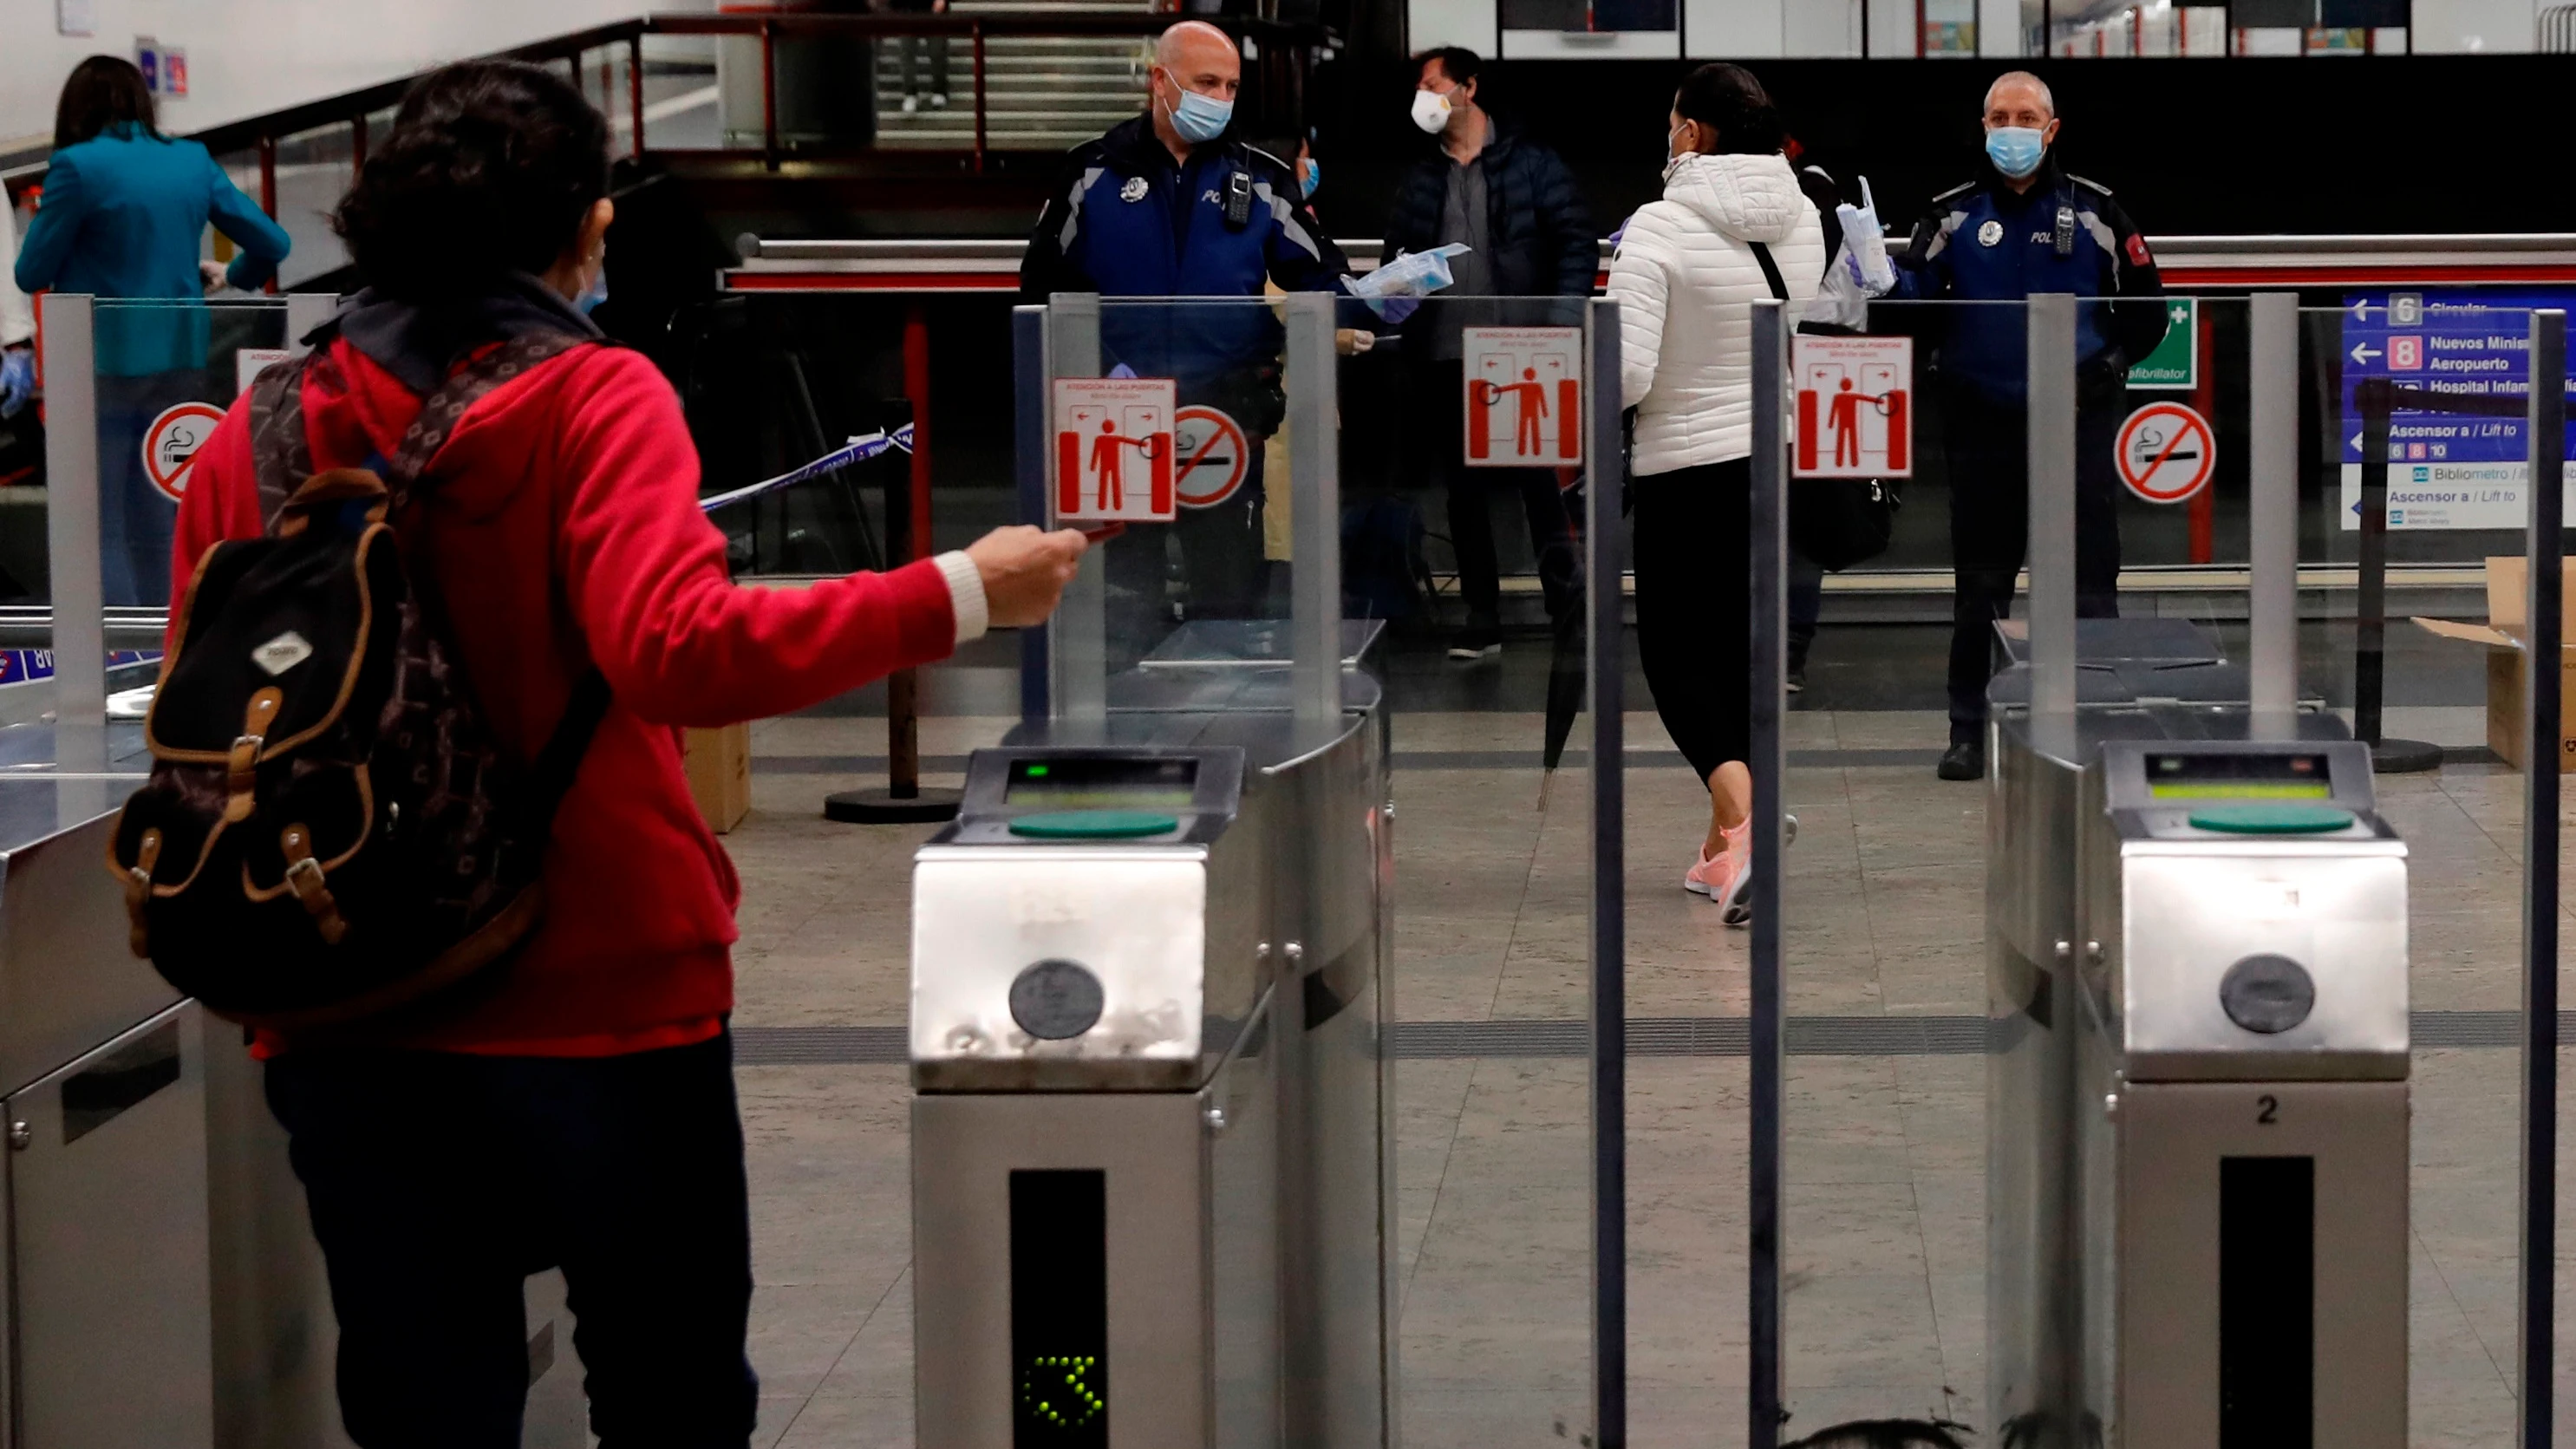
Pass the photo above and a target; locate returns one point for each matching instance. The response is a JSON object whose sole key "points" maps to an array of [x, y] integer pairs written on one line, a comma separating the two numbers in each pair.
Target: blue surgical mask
{"points": [[1201, 119], [2015, 150], [1313, 178], [594, 294]]}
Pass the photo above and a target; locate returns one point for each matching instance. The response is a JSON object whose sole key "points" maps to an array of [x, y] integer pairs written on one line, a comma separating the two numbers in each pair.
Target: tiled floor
{"points": [[1885, 1162]]}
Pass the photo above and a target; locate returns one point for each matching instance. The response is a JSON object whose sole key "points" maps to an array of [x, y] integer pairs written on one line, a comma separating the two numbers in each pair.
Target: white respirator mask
{"points": [[1431, 111]]}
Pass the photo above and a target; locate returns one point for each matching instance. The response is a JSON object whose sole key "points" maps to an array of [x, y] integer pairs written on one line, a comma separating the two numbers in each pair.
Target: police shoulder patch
{"points": [[2139, 256]]}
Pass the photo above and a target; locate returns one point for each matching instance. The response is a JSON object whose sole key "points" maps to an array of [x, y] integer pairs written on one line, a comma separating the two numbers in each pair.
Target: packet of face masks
{"points": [[1405, 281]]}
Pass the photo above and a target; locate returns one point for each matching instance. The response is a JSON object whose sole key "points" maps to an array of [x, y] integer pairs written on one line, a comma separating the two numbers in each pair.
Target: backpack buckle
{"points": [[304, 877]]}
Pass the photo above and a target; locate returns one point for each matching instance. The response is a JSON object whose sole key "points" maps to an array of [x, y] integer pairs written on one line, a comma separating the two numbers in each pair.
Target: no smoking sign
{"points": [[170, 445], [2166, 452], [1214, 456]]}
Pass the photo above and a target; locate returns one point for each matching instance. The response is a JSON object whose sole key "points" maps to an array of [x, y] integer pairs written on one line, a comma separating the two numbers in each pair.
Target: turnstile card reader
{"points": [[1094, 1139], [2244, 1051]]}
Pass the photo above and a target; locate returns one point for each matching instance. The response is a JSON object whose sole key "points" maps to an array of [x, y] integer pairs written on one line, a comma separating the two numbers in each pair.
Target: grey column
{"points": [[1604, 569], [2273, 407], [1768, 579], [1031, 458], [72, 551], [1314, 485], [2052, 505], [1079, 636], [2545, 547]]}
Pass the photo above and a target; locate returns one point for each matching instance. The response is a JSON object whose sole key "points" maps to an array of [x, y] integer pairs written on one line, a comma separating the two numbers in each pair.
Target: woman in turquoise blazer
{"points": [[124, 217]]}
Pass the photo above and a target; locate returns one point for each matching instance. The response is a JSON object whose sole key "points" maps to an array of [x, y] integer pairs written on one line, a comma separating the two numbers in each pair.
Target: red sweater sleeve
{"points": [[645, 573]]}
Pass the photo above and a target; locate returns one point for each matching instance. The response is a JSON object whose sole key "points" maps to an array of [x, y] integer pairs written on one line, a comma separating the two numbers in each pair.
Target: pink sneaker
{"points": [[1727, 879]]}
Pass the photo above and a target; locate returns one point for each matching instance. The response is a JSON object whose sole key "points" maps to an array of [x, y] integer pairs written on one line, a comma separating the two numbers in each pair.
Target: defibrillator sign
{"points": [[1855, 406], [1114, 450]]}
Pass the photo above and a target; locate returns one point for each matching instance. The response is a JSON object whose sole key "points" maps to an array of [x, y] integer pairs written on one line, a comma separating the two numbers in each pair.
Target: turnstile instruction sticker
{"points": [[1524, 404], [2166, 452], [1213, 457], [170, 445], [2174, 365], [1855, 413], [2445, 470], [250, 361], [1114, 449]]}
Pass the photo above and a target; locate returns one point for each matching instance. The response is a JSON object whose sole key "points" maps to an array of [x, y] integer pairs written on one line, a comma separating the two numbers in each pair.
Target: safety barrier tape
{"points": [[856, 450]]}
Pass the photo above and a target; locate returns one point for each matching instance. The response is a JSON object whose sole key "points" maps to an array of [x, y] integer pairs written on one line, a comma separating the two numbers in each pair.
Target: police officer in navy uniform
{"points": [[2024, 226], [1165, 206]]}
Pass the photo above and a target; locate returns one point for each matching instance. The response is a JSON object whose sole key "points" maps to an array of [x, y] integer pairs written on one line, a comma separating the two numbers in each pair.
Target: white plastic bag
{"points": [[1407, 279]]}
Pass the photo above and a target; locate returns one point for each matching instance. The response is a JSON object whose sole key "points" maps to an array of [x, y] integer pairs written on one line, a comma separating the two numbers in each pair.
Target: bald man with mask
{"points": [[1166, 204], [2024, 226]]}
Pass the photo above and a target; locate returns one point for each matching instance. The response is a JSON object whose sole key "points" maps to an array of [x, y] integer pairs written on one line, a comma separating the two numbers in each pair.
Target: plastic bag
{"points": [[1396, 288]]}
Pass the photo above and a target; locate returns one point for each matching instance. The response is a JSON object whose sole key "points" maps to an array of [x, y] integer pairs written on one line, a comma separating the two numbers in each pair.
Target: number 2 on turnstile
{"points": [[2271, 1113]]}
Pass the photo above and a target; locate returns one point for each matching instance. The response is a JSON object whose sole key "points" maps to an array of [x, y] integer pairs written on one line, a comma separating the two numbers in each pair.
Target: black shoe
{"points": [[1476, 642], [1797, 679], [1965, 760]]}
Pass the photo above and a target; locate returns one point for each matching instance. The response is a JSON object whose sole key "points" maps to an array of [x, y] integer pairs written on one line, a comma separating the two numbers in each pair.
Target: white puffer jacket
{"points": [[1686, 280]]}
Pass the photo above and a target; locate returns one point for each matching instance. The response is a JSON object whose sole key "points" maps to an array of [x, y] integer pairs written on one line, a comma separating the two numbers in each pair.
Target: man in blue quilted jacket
{"points": [[1513, 203]]}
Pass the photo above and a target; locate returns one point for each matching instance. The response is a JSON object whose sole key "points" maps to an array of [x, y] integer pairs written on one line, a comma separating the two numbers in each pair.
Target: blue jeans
{"points": [[135, 519], [439, 1182]]}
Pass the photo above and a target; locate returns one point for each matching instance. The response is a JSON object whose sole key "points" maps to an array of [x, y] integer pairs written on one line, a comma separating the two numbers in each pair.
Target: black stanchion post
{"points": [[1604, 566], [1769, 582], [2377, 399], [903, 801], [2546, 445]]}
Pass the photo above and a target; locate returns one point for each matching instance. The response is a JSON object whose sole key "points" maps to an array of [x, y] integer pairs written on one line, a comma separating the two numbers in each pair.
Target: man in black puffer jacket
{"points": [[1514, 204]]}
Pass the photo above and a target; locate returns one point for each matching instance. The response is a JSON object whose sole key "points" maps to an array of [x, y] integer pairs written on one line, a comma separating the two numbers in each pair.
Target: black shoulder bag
{"points": [[1835, 522]]}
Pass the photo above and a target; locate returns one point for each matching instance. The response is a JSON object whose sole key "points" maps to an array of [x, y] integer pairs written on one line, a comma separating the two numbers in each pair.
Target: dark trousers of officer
{"points": [[1440, 441], [1989, 457], [1223, 574], [439, 1181]]}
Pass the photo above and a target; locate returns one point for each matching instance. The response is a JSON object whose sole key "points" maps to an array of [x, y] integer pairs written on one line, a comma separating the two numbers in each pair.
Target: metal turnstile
{"points": [[2243, 1109], [1095, 1139], [1152, 1129]]}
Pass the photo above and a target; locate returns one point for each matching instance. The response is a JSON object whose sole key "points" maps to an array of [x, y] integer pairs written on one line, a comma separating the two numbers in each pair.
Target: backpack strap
{"points": [[281, 457], [444, 409]]}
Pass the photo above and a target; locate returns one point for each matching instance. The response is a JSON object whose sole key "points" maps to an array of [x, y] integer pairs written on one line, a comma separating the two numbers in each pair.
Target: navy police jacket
{"points": [[1985, 242], [1129, 221]]}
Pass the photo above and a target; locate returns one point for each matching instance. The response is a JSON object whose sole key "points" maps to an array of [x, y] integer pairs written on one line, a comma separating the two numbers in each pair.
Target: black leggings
{"points": [[1692, 550]]}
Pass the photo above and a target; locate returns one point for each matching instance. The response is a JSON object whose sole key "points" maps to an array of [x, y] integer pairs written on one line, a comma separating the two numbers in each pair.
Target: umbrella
{"points": [[1886, 1434], [1565, 659]]}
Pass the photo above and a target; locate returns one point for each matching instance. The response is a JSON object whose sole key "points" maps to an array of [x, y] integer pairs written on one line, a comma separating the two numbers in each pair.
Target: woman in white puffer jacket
{"points": [[1686, 275]]}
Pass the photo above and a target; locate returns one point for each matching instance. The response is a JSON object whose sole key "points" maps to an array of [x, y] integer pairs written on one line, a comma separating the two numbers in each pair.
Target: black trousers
{"points": [[1989, 457], [1692, 552], [1438, 402], [1223, 574], [438, 1182]]}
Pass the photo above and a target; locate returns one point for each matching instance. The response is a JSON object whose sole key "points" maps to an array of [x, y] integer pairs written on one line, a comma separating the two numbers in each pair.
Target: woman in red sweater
{"points": [[580, 1111]]}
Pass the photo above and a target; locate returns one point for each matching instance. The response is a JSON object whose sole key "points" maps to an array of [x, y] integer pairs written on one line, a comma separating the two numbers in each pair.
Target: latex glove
{"points": [[1865, 244], [1393, 310], [212, 274], [17, 379]]}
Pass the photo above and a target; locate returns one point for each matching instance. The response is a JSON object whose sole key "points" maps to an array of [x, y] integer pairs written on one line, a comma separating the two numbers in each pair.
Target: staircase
{"points": [[1041, 93]]}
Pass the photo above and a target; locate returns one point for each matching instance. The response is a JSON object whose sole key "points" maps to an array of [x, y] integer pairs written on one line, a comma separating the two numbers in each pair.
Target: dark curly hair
{"points": [[1727, 99], [490, 170]]}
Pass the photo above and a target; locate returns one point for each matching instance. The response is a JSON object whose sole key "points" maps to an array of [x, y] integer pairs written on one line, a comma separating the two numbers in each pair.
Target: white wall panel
{"points": [[1821, 28], [1733, 29], [250, 56], [1471, 23], [2474, 25], [1999, 25]]}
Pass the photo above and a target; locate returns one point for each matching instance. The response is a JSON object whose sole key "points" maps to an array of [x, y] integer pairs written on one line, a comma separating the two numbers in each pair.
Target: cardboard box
{"points": [[718, 763], [2507, 669]]}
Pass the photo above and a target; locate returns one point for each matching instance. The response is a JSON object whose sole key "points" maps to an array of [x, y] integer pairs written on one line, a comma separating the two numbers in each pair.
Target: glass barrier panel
{"points": [[315, 169], [2458, 456], [685, 108]]}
